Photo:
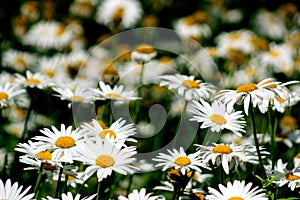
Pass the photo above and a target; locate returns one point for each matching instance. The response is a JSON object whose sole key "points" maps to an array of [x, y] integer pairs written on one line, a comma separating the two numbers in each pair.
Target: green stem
{"points": [[98, 191], [66, 183], [271, 132], [129, 184], [138, 102], [256, 140], [38, 180], [57, 195]]}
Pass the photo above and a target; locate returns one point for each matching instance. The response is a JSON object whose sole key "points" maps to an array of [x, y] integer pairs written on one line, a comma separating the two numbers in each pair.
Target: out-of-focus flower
{"points": [[143, 53], [34, 80], [121, 14], [18, 60]]}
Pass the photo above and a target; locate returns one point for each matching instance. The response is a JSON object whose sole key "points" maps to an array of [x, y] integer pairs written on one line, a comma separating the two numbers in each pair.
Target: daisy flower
{"points": [[105, 157], [217, 118], [179, 160], [286, 176], [11, 191], [140, 195], [18, 60], [34, 80], [74, 93], [118, 131], [117, 93], [257, 94], [48, 35], [188, 87], [143, 53], [236, 190], [229, 155], [8, 93], [119, 13], [63, 143], [69, 196]]}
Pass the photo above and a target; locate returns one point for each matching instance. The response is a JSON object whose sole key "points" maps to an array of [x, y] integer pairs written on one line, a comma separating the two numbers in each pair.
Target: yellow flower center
{"points": [[182, 161], [280, 100], [110, 70], [190, 20], [298, 155], [45, 155], [118, 14], [60, 31], [199, 196], [288, 123], [114, 96], [65, 142], [3, 95], [218, 119], [235, 36], [223, 149], [32, 80], [291, 177], [76, 97], [111, 133], [190, 84], [236, 198], [105, 161], [249, 87], [49, 72], [274, 53], [49, 166], [20, 60], [145, 48]]}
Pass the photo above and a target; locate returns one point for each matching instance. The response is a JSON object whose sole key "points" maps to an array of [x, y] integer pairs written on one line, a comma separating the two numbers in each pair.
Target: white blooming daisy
{"points": [[140, 195], [117, 93], [11, 191], [188, 87], [217, 118], [18, 60], [179, 160], [48, 35], [118, 131], [105, 157], [286, 176], [34, 80], [69, 196], [63, 143], [143, 53], [257, 94], [236, 190], [119, 13], [229, 155], [9, 93]]}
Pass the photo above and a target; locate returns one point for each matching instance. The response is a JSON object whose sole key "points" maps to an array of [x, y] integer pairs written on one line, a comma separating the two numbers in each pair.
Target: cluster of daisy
{"points": [[90, 109]]}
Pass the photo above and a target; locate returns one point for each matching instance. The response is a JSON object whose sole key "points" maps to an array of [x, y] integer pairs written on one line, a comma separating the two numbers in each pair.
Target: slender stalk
{"points": [[129, 184], [138, 102], [251, 112], [66, 184], [57, 191], [98, 191], [272, 136], [38, 180]]}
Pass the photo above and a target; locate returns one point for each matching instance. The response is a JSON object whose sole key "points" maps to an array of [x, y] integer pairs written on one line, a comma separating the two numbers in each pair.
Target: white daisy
{"points": [[179, 160], [63, 143], [140, 195], [119, 131], [18, 60], [286, 176], [46, 35], [9, 93], [143, 53], [34, 80], [11, 191], [257, 94], [217, 118], [188, 87], [236, 190], [119, 13], [105, 157], [69, 196], [229, 155], [117, 93]]}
